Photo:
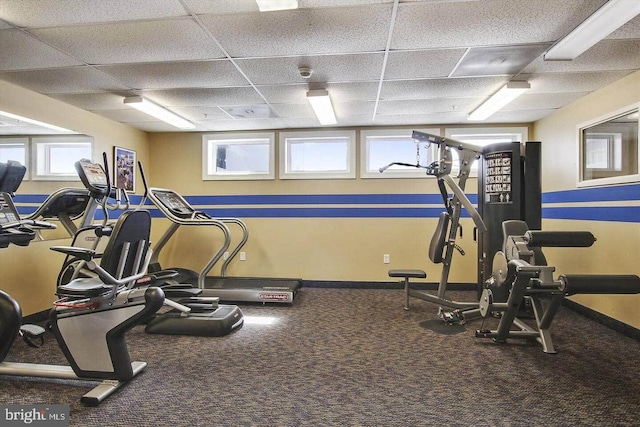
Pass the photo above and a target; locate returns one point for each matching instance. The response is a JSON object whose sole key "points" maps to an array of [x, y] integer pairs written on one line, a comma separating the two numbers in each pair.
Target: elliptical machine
{"points": [[191, 314], [90, 319]]}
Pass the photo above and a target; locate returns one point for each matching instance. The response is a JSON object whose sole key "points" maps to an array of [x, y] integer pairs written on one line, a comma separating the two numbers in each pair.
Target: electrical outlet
{"points": [[386, 258], [243, 256]]}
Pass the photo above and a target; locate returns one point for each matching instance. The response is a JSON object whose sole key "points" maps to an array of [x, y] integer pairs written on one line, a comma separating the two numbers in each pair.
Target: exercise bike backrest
{"points": [[11, 175]]}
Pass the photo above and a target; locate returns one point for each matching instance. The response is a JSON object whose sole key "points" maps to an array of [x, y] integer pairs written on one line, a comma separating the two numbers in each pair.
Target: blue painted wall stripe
{"points": [[355, 205], [596, 213], [600, 194]]}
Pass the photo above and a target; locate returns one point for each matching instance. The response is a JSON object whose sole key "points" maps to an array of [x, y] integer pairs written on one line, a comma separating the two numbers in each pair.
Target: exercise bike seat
{"points": [[84, 287]]}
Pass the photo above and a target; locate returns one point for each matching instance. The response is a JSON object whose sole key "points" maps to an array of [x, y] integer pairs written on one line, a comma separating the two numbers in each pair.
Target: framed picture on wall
{"points": [[124, 169]]}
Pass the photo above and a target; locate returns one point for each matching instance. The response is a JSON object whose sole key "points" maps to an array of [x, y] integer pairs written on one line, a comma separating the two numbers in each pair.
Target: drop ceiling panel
{"points": [[166, 75], [302, 31], [235, 125], [29, 13], [630, 30], [422, 64], [571, 82], [543, 101], [428, 106], [205, 97], [22, 52], [93, 101], [607, 55], [339, 92], [441, 88], [144, 41], [498, 60], [518, 116], [419, 119], [325, 68], [127, 116], [496, 22], [201, 113], [63, 80], [287, 111]]}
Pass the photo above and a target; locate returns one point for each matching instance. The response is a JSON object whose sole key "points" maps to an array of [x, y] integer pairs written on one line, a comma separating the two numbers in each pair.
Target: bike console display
{"points": [[174, 203], [93, 177]]}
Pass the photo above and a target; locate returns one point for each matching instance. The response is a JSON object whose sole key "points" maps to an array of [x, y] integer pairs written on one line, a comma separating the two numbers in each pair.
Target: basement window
{"points": [[14, 149], [55, 157], [246, 156], [317, 155], [380, 147]]}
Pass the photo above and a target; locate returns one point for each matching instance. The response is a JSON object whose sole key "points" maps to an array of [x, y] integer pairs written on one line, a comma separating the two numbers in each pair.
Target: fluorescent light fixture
{"points": [[508, 93], [161, 113], [321, 104], [271, 5], [612, 15], [35, 122]]}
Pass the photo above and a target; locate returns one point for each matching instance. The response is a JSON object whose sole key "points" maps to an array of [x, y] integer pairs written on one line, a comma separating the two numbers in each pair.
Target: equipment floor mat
{"points": [[441, 327]]}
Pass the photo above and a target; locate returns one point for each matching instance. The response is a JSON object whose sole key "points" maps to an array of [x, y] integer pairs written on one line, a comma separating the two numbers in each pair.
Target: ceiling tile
{"points": [[63, 80], [441, 88], [93, 101], [204, 97], [422, 64], [165, 75], [498, 60], [428, 106], [29, 13], [302, 31], [571, 82], [143, 41], [497, 22], [22, 52], [543, 101], [325, 68], [608, 55]]}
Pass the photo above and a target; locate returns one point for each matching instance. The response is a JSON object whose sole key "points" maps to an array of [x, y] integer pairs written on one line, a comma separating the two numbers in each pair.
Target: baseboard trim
{"points": [[385, 285], [41, 316], [603, 319]]}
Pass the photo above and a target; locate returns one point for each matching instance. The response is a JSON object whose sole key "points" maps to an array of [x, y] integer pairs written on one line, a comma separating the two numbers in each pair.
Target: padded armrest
{"points": [[81, 253]]}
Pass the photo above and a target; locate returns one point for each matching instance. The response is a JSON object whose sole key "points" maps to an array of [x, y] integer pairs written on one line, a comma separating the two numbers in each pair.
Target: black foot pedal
{"points": [[30, 333], [451, 317]]}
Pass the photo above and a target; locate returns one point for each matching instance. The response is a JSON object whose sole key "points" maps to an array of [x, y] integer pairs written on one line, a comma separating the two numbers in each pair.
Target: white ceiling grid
{"points": [[225, 66]]}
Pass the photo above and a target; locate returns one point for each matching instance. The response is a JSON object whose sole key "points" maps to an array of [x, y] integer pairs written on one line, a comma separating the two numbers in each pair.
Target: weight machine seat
{"points": [[414, 274], [516, 227], [600, 284]]}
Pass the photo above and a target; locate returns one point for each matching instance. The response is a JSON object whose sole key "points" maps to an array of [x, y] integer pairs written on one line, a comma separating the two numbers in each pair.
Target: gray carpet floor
{"points": [[354, 357]]}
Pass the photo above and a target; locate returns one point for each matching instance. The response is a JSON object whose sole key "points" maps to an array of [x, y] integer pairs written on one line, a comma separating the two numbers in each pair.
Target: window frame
{"points": [[210, 142], [58, 139], [349, 173], [612, 180], [24, 141], [365, 151], [522, 131]]}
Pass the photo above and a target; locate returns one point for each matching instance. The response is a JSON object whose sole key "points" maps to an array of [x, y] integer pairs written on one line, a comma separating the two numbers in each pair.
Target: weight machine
{"points": [[443, 243], [520, 271]]}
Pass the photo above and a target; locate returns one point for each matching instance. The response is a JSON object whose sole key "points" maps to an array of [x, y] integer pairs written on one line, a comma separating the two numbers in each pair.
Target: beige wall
{"points": [[348, 249], [29, 273], [618, 244]]}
